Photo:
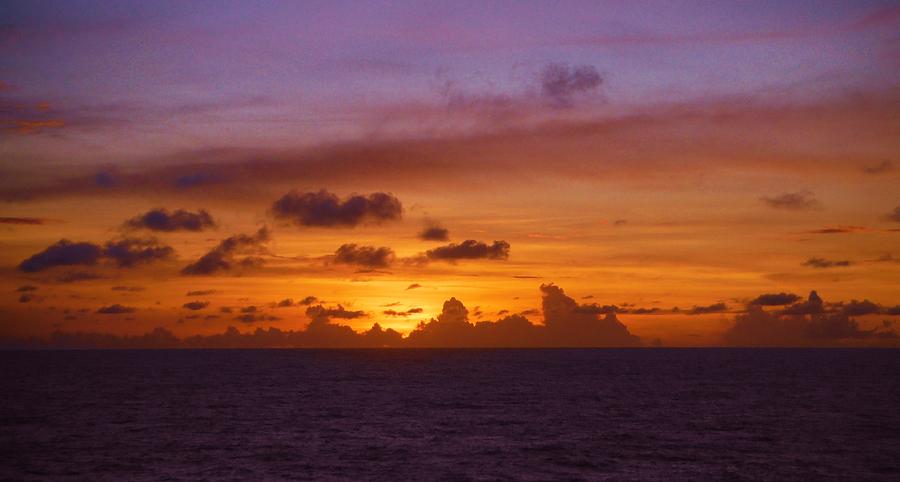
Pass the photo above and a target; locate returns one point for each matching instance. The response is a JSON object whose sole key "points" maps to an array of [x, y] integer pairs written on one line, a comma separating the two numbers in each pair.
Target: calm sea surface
{"points": [[640, 414]]}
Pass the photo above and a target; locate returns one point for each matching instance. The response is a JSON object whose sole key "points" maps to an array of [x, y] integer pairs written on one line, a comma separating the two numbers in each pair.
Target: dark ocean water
{"points": [[640, 414]]}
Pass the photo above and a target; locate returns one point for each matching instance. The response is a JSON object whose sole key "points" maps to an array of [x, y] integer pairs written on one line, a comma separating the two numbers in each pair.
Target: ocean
{"points": [[455, 415]]}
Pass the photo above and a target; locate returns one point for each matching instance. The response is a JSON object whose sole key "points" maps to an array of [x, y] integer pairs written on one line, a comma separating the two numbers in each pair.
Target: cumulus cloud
{"points": [[321, 313], [813, 305], [308, 301], [365, 256], [775, 299], [223, 256], [793, 201], [196, 305], [562, 84], [285, 303], [324, 209], [115, 309], [434, 233], [179, 220], [822, 263], [469, 249]]}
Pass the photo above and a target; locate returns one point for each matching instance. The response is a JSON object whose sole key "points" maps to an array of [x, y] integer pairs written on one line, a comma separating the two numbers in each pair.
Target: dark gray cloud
{"points": [[127, 288], [308, 301], [434, 233], [365, 256], [860, 308], [179, 220], [29, 221], [285, 303], [713, 308], [115, 309], [411, 311], [413, 286], [125, 253], [469, 249], [324, 209], [562, 84], [223, 256], [321, 313], [793, 201], [133, 251], [201, 292], [893, 215], [254, 318], [775, 299], [822, 263], [62, 253], [26, 288], [196, 305], [880, 168]]}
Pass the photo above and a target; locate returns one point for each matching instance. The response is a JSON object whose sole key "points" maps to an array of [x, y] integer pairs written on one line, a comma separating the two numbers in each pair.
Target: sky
{"points": [[519, 173]]}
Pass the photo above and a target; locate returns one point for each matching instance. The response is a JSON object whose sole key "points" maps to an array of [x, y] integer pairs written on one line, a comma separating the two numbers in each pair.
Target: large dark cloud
{"points": [[124, 253], [366, 256], [775, 299], [324, 209], [63, 253], [224, 256], [792, 201], [561, 84], [469, 249], [178, 220]]}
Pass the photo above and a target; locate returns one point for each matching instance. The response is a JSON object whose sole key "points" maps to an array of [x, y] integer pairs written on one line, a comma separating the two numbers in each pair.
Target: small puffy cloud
{"points": [[792, 201], [26, 298], [26, 288], [893, 215], [196, 305], [822, 263], [115, 309], [469, 249], [713, 308], [178, 220], [222, 257], [365, 256], [324, 209], [62, 253], [775, 299], [859, 308], [285, 303], [413, 286], [322, 314], [561, 84], [434, 233]]}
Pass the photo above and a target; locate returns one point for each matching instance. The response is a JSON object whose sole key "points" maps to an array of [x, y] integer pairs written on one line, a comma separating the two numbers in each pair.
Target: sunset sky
{"points": [[205, 162]]}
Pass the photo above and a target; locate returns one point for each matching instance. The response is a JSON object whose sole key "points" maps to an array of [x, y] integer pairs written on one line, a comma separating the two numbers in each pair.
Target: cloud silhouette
{"points": [[713, 308], [63, 253], [115, 309], [26, 288], [469, 249], [222, 257], [179, 220], [29, 221], [822, 263], [365, 256], [775, 299], [793, 201], [308, 300], [434, 233], [324, 209], [131, 289], [201, 292], [406, 313], [133, 251], [413, 286], [561, 84], [196, 305], [893, 215]]}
